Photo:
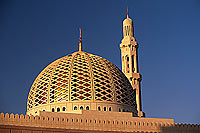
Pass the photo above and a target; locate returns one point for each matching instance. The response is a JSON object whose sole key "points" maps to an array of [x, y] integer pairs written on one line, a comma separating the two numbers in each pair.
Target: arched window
{"points": [[128, 30], [75, 108], [125, 28], [110, 109], [81, 108], [99, 108], [104, 108], [119, 110], [123, 110], [132, 57], [63, 109], [58, 109], [127, 58], [53, 110], [87, 108]]}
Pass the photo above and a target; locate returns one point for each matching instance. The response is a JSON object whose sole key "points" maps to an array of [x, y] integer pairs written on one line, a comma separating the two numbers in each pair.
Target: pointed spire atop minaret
{"points": [[127, 12], [128, 26], [80, 41]]}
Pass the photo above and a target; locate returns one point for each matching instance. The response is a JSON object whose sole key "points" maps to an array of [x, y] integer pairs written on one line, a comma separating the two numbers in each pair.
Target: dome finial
{"points": [[127, 12], [80, 41]]}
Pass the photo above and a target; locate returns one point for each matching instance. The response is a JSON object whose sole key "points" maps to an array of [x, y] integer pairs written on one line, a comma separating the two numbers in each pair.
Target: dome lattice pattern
{"points": [[81, 77]]}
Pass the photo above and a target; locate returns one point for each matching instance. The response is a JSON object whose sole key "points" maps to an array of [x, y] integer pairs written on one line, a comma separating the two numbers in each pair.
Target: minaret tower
{"points": [[129, 55]]}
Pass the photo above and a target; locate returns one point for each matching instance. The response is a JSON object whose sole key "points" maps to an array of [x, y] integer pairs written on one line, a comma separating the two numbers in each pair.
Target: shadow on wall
{"points": [[181, 128]]}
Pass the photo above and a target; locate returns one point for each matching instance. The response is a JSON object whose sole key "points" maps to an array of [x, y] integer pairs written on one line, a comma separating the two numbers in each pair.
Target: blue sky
{"points": [[33, 33]]}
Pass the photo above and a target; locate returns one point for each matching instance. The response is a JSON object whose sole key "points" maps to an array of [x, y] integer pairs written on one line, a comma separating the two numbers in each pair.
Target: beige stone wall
{"points": [[88, 120], [13, 129], [181, 128]]}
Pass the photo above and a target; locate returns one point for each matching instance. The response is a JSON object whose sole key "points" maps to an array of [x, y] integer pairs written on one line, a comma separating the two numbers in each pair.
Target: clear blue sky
{"points": [[33, 33]]}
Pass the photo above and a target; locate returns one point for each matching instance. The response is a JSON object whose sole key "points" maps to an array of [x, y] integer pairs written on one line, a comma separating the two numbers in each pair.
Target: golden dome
{"points": [[78, 80]]}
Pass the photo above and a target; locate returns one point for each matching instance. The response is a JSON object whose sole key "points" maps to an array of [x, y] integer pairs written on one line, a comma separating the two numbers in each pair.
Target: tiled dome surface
{"points": [[80, 76]]}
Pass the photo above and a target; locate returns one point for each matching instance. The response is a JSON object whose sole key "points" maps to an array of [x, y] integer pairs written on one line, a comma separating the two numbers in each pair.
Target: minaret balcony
{"points": [[134, 75]]}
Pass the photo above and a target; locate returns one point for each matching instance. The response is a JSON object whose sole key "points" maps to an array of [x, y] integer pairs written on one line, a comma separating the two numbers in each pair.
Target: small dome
{"points": [[81, 79], [128, 21]]}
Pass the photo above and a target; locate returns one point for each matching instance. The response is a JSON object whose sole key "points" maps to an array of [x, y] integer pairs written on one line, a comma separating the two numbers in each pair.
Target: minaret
{"points": [[129, 55]]}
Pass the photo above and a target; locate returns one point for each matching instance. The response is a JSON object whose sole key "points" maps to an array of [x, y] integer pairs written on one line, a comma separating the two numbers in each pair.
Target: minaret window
{"points": [[128, 30], [127, 58], [132, 58]]}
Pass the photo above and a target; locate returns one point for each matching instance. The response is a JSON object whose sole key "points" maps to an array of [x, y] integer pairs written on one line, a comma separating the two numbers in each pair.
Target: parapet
{"points": [[92, 121]]}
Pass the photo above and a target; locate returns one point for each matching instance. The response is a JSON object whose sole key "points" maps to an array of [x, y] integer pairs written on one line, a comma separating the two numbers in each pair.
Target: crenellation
{"points": [[12, 116], [7, 116], [16, 116], [77, 121]]}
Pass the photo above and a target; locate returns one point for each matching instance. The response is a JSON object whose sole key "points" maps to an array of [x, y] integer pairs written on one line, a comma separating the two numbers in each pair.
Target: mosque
{"points": [[83, 92]]}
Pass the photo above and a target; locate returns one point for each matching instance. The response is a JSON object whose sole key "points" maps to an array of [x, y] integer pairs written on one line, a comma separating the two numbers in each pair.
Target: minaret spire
{"points": [[127, 12], [80, 41], [128, 29]]}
